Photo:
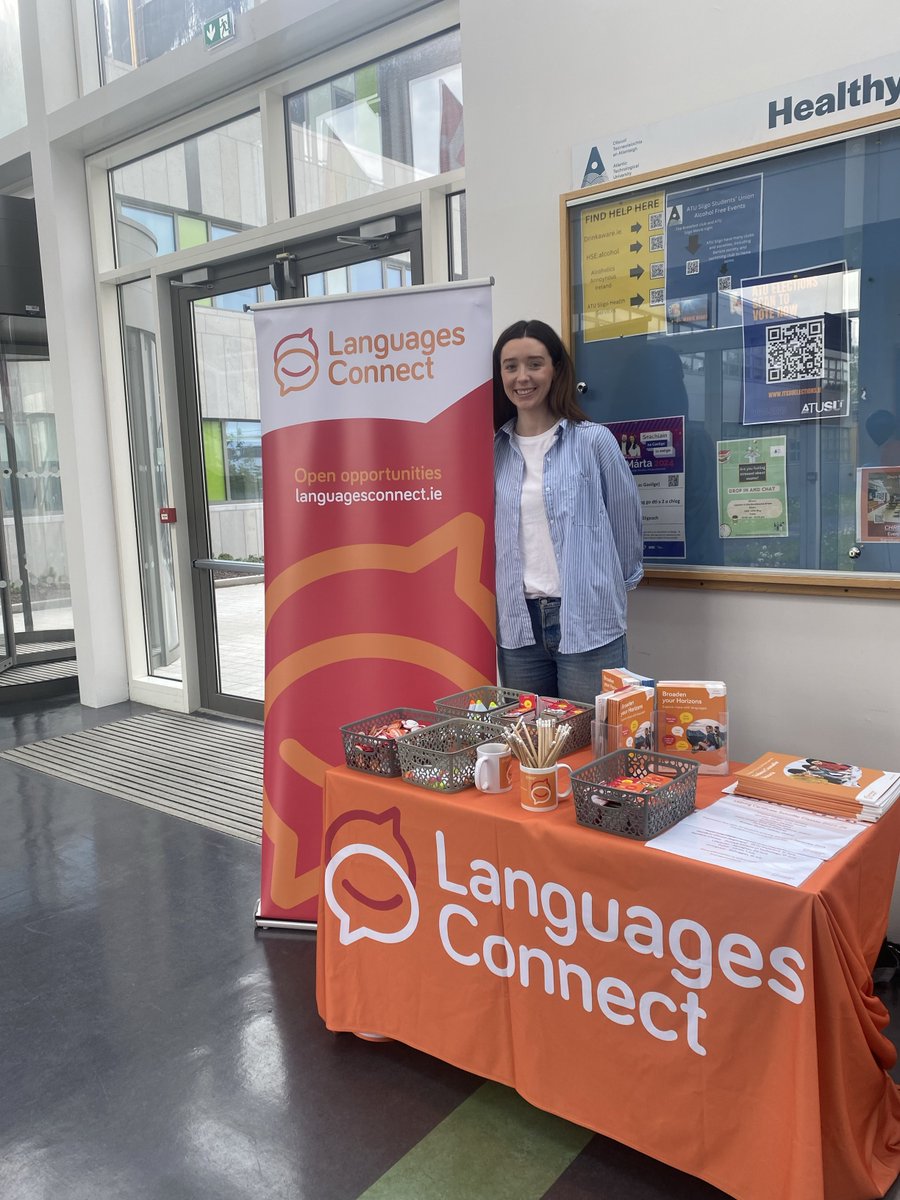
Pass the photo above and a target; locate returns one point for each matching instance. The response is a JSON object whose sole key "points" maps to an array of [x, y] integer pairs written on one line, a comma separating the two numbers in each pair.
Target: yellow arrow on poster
{"points": [[623, 267]]}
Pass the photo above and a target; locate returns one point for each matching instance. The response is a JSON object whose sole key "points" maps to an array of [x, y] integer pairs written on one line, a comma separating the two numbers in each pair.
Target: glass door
{"points": [[35, 599], [222, 435], [150, 481], [7, 635]]}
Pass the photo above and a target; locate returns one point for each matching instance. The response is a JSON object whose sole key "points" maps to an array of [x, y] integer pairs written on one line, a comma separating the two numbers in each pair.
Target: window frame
{"points": [[426, 197], [406, 133]]}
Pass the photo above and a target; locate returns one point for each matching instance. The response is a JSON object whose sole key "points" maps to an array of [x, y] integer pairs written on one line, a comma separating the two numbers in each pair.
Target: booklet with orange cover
{"points": [[629, 719], [692, 717], [821, 785], [614, 678]]}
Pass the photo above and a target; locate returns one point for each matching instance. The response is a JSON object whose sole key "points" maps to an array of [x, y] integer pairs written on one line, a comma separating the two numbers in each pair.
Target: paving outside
{"points": [[240, 619], [45, 618]]}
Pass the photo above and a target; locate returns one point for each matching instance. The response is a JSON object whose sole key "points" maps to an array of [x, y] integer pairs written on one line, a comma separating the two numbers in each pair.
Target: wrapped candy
{"points": [[395, 729], [561, 709], [525, 705]]}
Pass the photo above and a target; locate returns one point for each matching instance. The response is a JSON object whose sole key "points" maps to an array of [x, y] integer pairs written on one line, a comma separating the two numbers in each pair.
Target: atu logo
{"points": [[296, 362], [379, 912]]}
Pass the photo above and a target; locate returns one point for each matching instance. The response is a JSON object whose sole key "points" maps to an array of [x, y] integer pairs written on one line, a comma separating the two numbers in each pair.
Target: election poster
{"points": [[878, 504], [752, 487], [378, 509], [795, 336], [654, 451], [713, 239]]}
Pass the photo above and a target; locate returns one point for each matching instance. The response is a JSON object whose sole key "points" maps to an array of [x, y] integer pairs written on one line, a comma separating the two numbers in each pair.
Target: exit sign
{"points": [[218, 29]]}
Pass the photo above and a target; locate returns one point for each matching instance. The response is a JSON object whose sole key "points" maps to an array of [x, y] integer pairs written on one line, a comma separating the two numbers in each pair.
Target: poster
{"points": [[713, 239], [796, 365], [878, 504], [378, 511], [752, 487], [654, 450], [623, 267]]}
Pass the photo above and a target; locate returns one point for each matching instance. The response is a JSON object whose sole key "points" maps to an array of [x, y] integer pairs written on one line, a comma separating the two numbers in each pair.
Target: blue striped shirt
{"points": [[594, 513]]}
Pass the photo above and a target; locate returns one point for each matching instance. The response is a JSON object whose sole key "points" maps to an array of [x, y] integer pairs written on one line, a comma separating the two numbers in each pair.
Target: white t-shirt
{"points": [[539, 567]]}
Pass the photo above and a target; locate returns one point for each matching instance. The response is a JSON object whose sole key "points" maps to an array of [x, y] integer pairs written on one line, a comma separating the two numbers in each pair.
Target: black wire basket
{"points": [[364, 751], [602, 803], [442, 758], [493, 699]]}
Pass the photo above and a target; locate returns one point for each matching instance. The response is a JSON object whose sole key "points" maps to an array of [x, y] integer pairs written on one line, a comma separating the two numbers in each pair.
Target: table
{"points": [[721, 1023]]}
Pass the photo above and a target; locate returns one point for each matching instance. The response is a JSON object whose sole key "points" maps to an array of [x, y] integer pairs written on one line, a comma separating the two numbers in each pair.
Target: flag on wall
{"points": [[453, 147]]}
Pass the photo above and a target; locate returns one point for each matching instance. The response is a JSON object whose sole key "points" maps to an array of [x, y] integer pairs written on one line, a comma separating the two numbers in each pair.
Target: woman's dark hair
{"points": [[562, 391]]}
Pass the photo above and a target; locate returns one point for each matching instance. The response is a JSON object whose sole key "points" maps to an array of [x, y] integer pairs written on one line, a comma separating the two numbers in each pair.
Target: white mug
{"points": [[493, 767]]}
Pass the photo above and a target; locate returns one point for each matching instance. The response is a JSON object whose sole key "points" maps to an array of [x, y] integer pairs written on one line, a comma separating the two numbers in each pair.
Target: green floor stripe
{"points": [[494, 1146]]}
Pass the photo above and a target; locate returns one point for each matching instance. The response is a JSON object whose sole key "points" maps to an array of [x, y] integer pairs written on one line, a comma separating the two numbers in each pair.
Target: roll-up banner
{"points": [[378, 501]]}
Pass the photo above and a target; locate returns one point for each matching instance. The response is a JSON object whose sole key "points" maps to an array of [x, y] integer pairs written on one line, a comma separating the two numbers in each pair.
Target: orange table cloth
{"points": [[721, 1023]]}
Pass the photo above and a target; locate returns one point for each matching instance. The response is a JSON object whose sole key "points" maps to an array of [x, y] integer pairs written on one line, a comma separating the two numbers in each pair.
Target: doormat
{"points": [[197, 768]]}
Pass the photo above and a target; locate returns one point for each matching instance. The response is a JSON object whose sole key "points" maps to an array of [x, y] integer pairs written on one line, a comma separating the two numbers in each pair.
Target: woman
{"points": [[567, 524]]}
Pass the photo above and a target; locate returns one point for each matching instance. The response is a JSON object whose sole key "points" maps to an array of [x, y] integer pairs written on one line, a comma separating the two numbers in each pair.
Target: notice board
{"points": [[737, 326]]}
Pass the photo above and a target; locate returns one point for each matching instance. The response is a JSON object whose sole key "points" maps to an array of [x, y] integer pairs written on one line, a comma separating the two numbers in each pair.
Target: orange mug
{"points": [[539, 787]]}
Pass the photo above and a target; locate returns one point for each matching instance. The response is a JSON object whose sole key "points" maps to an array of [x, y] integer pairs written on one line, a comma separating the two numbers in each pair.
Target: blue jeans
{"points": [[541, 668]]}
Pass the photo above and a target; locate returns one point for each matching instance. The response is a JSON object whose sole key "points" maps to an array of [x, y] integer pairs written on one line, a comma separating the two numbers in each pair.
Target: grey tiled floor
{"points": [[155, 1047]]}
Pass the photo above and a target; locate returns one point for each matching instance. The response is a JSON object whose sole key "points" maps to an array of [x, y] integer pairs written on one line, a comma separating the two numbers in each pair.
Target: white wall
{"points": [[236, 529], [77, 379], [226, 364], [804, 673]]}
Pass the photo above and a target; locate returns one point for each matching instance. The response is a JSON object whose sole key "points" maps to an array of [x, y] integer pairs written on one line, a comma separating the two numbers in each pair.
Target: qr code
{"points": [[795, 351], [657, 242], [656, 221], [674, 480], [657, 270], [657, 295], [724, 283], [692, 266]]}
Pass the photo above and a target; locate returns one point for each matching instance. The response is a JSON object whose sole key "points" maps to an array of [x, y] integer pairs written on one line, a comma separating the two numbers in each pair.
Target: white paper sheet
{"points": [[772, 841]]}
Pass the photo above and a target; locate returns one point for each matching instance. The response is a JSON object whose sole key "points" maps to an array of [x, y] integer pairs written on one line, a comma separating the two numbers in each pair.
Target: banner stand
{"points": [[377, 447], [271, 923]]}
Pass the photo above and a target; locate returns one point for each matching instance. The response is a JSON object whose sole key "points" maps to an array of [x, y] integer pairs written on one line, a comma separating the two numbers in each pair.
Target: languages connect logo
{"points": [[389, 917], [296, 362]]}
